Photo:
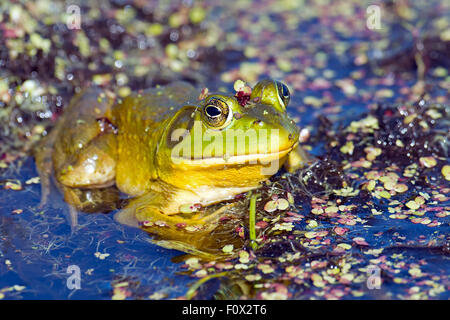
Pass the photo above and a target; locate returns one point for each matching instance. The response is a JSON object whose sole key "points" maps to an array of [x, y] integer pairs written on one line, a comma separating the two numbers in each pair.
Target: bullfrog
{"points": [[170, 152]]}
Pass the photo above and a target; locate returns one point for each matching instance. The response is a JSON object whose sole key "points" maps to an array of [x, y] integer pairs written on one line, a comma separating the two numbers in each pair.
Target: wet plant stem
{"points": [[193, 289], [251, 223]]}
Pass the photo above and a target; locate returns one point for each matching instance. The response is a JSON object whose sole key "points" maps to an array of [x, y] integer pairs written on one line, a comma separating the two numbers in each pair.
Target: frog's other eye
{"points": [[217, 113], [283, 93]]}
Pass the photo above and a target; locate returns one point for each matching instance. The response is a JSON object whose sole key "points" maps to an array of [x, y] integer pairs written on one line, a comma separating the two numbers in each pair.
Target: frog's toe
{"points": [[191, 250], [127, 217], [198, 237], [149, 217]]}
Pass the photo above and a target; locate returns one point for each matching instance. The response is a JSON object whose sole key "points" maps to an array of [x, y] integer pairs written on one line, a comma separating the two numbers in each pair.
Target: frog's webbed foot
{"points": [[297, 159], [148, 210], [200, 234]]}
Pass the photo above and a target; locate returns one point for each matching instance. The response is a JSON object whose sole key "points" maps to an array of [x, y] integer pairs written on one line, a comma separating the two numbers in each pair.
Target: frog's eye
{"points": [[283, 93], [217, 113]]}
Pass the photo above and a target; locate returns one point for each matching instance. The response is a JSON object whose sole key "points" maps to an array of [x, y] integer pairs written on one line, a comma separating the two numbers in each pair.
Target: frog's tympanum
{"points": [[170, 153]]}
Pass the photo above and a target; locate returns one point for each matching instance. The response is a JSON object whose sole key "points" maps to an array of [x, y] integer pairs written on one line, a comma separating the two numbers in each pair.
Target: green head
{"points": [[229, 142]]}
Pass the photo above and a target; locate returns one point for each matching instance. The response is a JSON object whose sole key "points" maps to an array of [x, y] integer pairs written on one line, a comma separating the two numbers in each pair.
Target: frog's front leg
{"points": [[202, 236], [297, 159], [160, 208]]}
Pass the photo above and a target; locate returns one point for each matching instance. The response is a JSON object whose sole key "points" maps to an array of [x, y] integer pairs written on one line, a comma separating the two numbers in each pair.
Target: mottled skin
{"points": [[137, 144]]}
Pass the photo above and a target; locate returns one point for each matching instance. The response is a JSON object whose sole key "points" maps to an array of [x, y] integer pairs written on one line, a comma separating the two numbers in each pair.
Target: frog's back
{"points": [[140, 119]]}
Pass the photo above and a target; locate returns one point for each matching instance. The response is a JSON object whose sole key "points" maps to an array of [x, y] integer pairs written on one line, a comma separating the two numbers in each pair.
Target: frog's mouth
{"points": [[246, 159]]}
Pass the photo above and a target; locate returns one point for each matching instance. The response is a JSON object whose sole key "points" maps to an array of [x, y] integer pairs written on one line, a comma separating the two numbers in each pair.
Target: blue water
{"points": [[39, 248]]}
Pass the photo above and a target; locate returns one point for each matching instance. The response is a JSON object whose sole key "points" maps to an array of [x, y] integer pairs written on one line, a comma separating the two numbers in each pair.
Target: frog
{"points": [[170, 150]]}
